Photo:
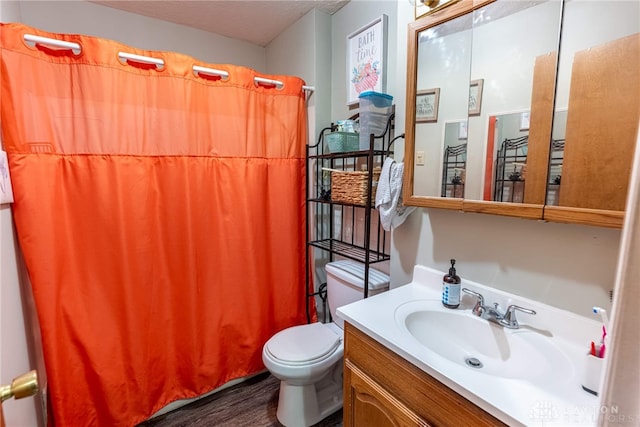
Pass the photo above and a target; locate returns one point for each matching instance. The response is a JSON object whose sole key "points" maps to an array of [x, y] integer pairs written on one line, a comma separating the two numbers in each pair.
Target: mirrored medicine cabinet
{"points": [[522, 109]]}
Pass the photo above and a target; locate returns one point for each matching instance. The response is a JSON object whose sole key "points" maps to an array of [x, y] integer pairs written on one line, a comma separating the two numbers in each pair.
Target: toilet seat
{"points": [[304, 344]]}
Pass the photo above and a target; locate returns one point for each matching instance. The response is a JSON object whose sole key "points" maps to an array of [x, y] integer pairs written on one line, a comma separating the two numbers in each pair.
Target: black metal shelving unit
{"points": [[347, 230], [510, 181], [454, 165], [555, 172]]}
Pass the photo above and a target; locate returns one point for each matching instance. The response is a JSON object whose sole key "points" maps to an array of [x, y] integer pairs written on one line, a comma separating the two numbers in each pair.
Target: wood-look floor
{"points": [[251, 403]]}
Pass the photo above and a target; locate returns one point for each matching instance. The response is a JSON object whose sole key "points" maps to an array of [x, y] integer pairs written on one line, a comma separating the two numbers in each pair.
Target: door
{"points": [[367, 403], [25, 385]]}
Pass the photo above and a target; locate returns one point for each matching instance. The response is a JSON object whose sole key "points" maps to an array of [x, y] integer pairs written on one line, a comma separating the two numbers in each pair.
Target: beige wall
{"points": [[81, 17], [305, 41], [568, 266]]}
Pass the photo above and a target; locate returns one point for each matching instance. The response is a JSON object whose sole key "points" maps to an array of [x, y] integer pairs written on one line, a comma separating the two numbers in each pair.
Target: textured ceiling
{"points": [[257, 22]]}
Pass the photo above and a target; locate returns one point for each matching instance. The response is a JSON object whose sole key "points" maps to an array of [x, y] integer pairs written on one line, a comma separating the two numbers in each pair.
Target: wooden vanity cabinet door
{"points": [[368, 404], [381, 388]]}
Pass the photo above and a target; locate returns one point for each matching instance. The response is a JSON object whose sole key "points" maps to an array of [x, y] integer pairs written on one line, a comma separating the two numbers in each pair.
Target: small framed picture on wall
{"points": [[427, 105], [462, 130], [524, 120], [475, 97]]}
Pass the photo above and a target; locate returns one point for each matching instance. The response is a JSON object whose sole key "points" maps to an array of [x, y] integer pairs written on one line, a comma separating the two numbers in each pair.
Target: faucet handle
{"points": [[478, 309], [509, 320]]}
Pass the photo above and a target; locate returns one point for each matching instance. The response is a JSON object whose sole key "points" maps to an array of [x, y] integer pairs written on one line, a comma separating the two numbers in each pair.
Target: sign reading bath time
{"points": [[366, 59]]}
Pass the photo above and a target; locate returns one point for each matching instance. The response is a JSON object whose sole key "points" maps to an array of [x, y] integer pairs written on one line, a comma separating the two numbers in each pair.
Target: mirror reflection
{"points": [[596, 119], [517, 70], [443, 63], [454, 160], [486, 64], [509, 156], [556, 157]]}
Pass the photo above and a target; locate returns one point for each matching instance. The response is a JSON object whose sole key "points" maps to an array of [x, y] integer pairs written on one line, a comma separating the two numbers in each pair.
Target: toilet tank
{"points": [[345, 284]]}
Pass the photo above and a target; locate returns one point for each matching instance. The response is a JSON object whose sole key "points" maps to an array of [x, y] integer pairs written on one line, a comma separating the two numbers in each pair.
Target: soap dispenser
{"points": [[451, 288]]}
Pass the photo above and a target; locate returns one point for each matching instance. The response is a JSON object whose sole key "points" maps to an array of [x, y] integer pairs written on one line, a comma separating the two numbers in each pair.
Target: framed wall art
{"points": [[475, 97], [366, 59], [427, 105], [524, 120], [462, 130]]}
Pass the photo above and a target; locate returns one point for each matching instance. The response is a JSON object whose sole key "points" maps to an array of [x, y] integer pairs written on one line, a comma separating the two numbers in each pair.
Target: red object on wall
{"points": [[488, 169]]}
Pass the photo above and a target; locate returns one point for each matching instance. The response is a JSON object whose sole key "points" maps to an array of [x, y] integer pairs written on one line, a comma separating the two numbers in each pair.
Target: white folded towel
{"points": [[389, 195]]}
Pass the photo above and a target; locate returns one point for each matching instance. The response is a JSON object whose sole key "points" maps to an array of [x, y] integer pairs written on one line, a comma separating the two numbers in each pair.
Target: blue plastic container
{"points": [[375, 110]]}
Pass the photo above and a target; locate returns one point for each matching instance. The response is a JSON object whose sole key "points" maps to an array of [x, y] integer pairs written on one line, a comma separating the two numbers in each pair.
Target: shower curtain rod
{"points": [[279, 84], [52, 42], [159, 63], [149, 60], [221, 73]]}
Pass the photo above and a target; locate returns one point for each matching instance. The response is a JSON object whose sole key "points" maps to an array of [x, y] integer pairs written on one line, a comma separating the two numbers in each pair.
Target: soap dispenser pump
{"points": [[451, 288]]}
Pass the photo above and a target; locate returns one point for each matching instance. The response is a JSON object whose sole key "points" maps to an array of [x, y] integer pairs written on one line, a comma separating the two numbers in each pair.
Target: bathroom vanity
{"points": [[383, 389], [407, 361]]}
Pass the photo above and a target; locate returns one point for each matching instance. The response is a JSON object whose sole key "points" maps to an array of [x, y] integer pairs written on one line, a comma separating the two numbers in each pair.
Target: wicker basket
{"points": [[351, 186], [340, 142]]}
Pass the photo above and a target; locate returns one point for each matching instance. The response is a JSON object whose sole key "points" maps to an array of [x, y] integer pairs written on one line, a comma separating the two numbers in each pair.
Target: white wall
{"points": [[564, 265], [81, 17], [303, 50]]}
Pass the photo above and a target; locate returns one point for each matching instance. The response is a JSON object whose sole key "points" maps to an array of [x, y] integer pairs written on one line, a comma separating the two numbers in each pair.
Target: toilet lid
{"points": [[305, 343]]}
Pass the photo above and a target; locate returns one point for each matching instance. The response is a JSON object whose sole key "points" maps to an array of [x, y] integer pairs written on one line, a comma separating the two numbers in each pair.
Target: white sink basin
{"points": [[482, 346], [530, 376]]}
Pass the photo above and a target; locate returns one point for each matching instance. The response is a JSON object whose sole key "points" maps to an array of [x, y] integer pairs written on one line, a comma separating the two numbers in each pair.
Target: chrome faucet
{"points": [[493, 314], [509, 319], [479, 308]]}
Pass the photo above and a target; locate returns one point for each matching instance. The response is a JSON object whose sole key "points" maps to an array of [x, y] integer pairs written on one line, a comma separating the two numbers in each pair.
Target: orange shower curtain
{"points": [[161, 217]]}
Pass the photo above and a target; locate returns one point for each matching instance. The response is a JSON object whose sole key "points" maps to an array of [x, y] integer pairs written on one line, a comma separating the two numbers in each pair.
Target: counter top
{"points": [[560, 402]]}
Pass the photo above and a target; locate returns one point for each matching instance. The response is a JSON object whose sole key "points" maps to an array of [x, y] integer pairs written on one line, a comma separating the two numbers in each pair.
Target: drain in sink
{"points": [[473, 362]]}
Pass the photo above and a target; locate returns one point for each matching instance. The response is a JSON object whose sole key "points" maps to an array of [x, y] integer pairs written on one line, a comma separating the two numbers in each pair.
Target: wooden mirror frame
{"points": [[449, 13], [543, 97], [534, 203]]}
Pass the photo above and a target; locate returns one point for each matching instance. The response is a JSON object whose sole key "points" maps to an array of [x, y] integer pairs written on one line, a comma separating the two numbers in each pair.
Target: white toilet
{"points": [[307, 359]]}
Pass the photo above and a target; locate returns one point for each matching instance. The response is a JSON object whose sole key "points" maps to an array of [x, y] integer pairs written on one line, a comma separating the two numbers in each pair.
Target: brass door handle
{"points": [[23, 386]]}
